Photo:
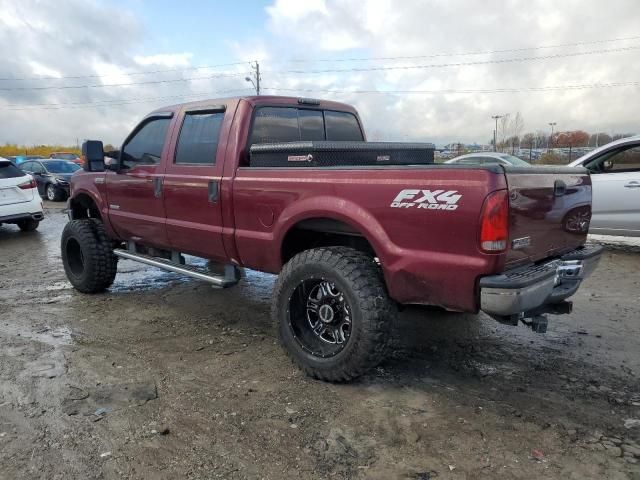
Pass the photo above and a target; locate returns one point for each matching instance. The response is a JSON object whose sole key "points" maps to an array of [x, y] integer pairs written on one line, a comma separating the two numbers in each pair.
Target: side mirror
{"points": [[93, 156]]}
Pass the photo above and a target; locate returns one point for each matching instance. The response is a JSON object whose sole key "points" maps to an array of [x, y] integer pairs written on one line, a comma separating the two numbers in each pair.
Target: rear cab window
{"points": [[9, 170], [292, 124]]}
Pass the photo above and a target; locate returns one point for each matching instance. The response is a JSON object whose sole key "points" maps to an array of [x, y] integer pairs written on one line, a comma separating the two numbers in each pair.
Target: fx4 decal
{"points": [[429, 199]]}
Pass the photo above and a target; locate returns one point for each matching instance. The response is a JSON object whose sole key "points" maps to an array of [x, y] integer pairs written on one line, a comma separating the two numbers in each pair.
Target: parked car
{"points": [[615, 173], [354, 229], [52, 177], [72, 157], [20, 203], [489, 158]]}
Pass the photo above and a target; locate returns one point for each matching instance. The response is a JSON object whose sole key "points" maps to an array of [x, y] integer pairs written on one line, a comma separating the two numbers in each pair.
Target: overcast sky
{"points": [[462, 54]]}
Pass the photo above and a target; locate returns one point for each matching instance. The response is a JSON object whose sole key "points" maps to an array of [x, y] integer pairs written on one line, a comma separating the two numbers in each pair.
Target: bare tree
{"points": [[503, 130], [516, 126], [528, 141]]}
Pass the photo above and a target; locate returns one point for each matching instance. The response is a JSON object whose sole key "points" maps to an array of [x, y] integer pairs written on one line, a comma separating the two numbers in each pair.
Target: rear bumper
{"points": [[22, 216], [531, 288]]}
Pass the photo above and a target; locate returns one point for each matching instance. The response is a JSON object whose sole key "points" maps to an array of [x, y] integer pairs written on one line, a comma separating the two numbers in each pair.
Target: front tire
{"points": [[53, 193], [87, 256], [334, 314], [29, 225]]}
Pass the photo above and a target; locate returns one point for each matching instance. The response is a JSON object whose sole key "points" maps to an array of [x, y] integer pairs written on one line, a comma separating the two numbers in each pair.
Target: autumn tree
{"points": [[570, 139]]}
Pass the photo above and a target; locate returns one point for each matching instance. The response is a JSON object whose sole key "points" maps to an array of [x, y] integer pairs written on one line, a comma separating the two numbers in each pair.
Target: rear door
{"points": [[616, 191], [549, 211], [192, 182], [134, 193]]}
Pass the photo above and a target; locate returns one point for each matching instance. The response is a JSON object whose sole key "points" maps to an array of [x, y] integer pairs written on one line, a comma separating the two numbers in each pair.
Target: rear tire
{"points": [[87, 256], [29, 225], [334, 314]]}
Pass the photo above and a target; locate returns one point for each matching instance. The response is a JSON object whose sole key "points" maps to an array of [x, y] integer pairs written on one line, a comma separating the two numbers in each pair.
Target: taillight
{"points": [[31, 183], [494, 222]]}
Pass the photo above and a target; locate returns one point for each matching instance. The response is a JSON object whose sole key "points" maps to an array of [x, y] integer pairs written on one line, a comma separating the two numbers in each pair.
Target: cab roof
{"points": [[261, 100]]}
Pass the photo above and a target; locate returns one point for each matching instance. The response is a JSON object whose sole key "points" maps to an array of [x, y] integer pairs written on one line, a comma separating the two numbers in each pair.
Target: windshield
{"points": [[515, 161], [61, 167]]}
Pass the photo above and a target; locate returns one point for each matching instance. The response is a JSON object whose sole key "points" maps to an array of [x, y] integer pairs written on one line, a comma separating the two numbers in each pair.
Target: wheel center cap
{"points": [[325, 313]]}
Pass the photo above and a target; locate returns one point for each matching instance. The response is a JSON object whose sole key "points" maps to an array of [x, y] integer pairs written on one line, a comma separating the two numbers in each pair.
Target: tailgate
{"points": [[550, 209]]}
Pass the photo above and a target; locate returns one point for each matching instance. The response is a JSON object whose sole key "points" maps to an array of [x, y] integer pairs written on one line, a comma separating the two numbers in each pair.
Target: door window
{"points": [[626, 159], [145, 147], [36, 167], [198, 141]]}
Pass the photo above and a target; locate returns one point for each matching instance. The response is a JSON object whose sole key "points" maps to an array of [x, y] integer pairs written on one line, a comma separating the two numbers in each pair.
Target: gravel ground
{"points": [[164, 377]]}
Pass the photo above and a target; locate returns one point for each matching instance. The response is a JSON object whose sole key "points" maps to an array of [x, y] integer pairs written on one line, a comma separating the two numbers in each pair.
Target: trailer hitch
{"points": [[536, 319]]}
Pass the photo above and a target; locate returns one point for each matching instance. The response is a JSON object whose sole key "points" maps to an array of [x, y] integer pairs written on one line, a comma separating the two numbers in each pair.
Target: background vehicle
{"points": [[52, 176], [489, 158], [18, 159], [615, 173], [72, 157], [287, 185], [19, 202]]}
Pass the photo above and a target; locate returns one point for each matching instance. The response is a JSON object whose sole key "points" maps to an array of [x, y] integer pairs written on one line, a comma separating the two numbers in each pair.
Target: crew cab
{"points": [[353, 228]]}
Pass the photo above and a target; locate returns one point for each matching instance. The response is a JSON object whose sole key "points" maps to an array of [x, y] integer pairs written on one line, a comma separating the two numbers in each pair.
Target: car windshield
{"points": [[61, 167], [66, 156]]}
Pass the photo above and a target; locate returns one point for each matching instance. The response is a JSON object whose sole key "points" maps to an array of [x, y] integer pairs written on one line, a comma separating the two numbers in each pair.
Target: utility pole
{"points": [[550, 142], [495, 132], [255, 75]]}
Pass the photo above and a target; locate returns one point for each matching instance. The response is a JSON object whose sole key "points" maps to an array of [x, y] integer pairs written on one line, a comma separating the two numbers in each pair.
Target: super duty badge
{"points": [[429, 199]]}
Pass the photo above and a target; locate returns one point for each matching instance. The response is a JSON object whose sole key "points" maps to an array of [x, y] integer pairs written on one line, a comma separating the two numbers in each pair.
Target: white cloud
{"points": [[168, 60]]}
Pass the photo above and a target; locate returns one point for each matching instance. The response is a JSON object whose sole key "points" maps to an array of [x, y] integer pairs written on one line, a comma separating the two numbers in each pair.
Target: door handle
{"points": [[157, 187], [633, 184], [213, 191]]}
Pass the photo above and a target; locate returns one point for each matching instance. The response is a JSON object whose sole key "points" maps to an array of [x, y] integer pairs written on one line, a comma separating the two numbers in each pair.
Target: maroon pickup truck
{"points": [[353, 228]]}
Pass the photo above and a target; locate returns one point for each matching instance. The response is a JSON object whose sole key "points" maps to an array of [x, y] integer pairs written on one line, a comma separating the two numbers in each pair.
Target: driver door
{"points": [[135, 191], [616, 192]]}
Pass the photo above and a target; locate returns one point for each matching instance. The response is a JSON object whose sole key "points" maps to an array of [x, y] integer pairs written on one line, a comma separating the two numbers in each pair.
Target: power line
{"points": [[146, 72], [462, 91], [110, 103], [460, 54], [457, 64], [103, 85]]}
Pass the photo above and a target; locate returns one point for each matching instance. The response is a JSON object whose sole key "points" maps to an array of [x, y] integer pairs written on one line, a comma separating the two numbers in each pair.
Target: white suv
{"points": [[19, 199]]}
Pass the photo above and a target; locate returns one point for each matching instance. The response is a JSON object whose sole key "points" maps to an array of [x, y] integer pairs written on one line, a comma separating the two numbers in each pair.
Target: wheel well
{"points": [[83, 206], [322, 232]]}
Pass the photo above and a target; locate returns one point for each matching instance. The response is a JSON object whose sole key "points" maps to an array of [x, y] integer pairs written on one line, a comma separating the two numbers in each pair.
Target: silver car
{"points": [[488, 158], [615, 173]]}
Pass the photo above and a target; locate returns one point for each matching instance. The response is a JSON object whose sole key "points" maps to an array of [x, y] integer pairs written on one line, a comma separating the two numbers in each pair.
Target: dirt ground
{"points": [[164, 377]]}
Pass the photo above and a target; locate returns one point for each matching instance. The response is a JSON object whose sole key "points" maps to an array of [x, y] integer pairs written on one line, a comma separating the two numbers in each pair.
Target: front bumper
{"points": [[531, 288]]}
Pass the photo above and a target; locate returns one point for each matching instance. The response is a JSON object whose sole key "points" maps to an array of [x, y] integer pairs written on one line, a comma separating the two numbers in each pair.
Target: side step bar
{"points": [[229, 279]]}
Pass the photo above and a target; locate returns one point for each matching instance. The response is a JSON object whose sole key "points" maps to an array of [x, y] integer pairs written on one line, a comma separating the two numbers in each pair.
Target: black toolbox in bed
{"points": [[339, 154]]}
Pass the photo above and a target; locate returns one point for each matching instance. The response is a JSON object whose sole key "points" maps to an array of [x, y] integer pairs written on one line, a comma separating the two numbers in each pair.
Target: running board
{"points": [[229, 279]]}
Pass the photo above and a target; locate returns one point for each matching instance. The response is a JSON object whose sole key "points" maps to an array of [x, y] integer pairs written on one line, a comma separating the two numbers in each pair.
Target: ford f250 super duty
{"points": [[353, 228]]}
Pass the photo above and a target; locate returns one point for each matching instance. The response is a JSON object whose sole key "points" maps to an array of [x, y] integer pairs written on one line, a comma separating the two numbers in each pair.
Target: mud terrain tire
{"points": [[351, 278], [87, 255]]}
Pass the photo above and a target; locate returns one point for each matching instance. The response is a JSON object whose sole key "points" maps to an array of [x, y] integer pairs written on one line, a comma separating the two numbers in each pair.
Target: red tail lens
{"points": [[28, 184], [494, 222]]}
